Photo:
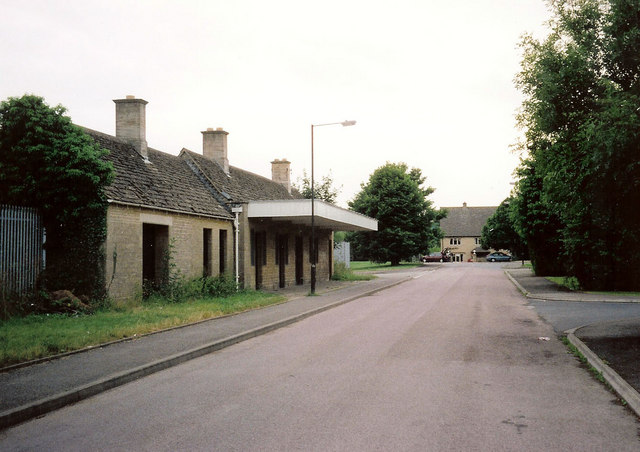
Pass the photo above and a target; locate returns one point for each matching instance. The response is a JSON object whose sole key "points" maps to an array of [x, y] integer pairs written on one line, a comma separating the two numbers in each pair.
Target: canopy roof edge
{"points": [[298, 211]]}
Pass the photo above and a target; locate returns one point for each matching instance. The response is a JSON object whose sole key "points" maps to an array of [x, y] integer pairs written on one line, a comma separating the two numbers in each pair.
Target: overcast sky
{"points": [[429, 82]]}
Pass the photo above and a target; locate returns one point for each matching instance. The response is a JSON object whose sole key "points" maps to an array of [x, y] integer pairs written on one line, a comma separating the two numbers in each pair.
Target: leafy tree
{"points": [[339, 236], [499, 232], [406, 219], [536, 224], [324, 190], [582, 123], [49, 163]]}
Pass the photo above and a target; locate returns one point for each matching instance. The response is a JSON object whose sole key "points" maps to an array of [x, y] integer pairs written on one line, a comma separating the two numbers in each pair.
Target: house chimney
{"points": [[214, 147], [464, 204], [131, 123], [281, 173]]}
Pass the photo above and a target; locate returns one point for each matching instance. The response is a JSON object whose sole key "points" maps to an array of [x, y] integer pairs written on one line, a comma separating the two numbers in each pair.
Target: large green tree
{"points": [[539, 227], [396, 197], [499, 232], [581, 118], [49, 163]]}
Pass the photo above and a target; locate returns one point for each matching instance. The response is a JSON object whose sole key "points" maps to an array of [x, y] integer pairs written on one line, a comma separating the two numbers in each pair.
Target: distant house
{"points": [[210, 217], [462, 229]]}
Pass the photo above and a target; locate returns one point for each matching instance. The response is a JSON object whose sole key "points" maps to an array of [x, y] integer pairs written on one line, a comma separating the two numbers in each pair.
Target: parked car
{"points": [[498, 257], [435, 257]]}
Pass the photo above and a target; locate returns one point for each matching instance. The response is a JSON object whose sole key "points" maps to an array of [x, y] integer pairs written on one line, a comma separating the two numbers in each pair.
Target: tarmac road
{"points": [[608, 324], [452, 360], [565, 315], [566, 310]]}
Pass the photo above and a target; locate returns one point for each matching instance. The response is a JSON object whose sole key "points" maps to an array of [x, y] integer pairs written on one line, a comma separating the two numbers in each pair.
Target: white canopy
{"points": [[298, 211]]}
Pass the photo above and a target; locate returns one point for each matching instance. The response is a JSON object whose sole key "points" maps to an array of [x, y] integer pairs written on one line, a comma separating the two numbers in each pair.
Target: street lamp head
{"points": [[343, 124]]}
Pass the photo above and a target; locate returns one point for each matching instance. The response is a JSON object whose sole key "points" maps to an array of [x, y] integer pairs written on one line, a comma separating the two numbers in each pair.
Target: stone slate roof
{"points": [[239, 185], [166, 182], [465, 221]]}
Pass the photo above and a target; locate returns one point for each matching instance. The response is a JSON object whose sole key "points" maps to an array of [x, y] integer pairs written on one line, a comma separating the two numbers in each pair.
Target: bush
{"points": [[220, 286], [566, 282], [177, 289], [49, 163]]}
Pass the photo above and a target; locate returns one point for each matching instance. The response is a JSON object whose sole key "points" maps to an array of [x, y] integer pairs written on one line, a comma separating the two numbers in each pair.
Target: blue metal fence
{"points": [[21, 253]]}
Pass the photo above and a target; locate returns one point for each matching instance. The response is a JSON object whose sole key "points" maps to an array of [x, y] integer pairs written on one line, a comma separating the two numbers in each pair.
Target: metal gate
{"points": [[21, 253]]}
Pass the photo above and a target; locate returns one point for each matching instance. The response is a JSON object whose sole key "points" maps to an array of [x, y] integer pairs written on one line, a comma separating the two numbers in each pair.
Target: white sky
{"points": [[429, 82]]}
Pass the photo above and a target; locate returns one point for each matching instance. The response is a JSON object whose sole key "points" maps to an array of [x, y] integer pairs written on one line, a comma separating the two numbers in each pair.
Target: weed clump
{"points": [[343, 273]]}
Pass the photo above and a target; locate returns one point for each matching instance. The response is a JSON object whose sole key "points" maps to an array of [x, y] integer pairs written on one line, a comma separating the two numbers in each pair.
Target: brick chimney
{"points": [[214, 147], [131, 123], [281, 173]]}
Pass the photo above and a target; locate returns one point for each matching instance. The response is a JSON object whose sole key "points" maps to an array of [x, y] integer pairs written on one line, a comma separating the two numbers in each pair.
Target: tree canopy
{"points": [[580, 182], [536, 224], [394, 195], [325, 190], [49, 163], [500, 233]]}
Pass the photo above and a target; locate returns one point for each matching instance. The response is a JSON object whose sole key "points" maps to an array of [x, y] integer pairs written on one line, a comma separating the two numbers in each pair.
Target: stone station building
{"points": [[210, 217]]}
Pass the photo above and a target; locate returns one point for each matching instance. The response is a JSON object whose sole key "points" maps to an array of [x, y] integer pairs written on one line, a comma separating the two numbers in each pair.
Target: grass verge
{"points": [[342, 273], [571, 283], [38, 336]]}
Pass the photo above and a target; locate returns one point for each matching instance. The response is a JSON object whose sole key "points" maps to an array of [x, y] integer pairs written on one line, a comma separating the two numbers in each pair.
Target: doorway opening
{"points": [[206, 252], [258, 254], [299, 261], [223, 250], [282, 257], [155, 257]]}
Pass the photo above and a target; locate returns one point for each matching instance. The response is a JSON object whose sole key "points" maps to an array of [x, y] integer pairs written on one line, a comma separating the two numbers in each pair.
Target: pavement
{"points": [[32, 389], [607, 332]]}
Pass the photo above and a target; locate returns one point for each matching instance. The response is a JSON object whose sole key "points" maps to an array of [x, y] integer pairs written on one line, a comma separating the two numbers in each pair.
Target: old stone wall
{"points": [[124, 246]]}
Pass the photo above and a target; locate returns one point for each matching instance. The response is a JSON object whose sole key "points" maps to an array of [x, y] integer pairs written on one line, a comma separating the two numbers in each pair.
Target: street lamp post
{"points": [[313, 248]]}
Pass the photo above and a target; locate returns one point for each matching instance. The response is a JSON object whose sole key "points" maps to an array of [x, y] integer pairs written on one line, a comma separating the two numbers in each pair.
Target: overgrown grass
{"points": [[342, 273], [41, 335], [372, 266]]}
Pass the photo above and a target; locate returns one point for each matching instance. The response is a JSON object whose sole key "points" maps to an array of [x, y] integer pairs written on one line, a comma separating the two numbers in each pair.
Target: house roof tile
{"points": [[164, 182], [239, 185], [465, 221]]}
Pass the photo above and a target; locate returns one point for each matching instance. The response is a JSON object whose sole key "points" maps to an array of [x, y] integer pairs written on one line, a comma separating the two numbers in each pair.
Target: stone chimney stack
{"points": [[131, 123], [464, 204], [281, 173], [214, 147]]}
